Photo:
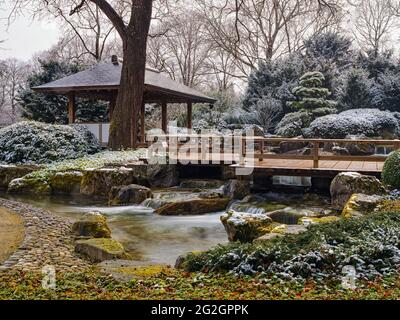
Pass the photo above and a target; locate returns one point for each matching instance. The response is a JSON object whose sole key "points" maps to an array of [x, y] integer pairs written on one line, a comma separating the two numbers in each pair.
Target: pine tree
{"points": [[310, 94], [354, 90]]}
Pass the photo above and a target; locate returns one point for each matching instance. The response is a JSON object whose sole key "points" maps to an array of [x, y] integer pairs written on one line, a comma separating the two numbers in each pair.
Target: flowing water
{"points": [[151, 238]]}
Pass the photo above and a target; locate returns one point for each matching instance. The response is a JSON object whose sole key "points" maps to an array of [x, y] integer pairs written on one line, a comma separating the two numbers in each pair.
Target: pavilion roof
{"points": [[104, 78]]}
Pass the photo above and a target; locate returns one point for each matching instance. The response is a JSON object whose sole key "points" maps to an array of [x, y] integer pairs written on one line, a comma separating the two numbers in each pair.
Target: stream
{"points": [[151, 238]]}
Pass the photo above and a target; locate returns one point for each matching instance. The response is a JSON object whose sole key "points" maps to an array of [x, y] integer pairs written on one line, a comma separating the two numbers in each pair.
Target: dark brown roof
{"points": [[106, 76]]}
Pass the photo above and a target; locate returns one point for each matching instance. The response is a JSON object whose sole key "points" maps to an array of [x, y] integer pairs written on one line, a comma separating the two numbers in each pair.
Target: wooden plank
{"points": [[342, 165]]}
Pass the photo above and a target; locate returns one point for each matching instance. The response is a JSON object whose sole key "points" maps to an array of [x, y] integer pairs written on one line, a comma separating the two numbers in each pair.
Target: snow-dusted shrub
{"points": [[370, 244], [292, 124], [391, 170], [36, 142], [367, 122]]}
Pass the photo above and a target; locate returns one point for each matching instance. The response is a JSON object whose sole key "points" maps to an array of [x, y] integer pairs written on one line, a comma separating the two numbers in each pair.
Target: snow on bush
{"points": [[370, 244], [36, 142], [292, 124], [367, 122]]}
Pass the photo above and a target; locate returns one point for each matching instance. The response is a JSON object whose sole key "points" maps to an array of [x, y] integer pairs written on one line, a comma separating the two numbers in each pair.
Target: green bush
{"points": [[36, 142], [391, 170], [370, 244]]}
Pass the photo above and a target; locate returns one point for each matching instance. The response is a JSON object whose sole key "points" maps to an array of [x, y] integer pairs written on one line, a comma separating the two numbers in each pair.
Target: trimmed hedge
{"points": [[391, 170]]}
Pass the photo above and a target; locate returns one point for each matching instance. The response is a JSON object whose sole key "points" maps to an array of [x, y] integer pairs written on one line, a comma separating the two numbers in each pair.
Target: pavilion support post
{"points": [[142, 124], [164, 116], [71, 108], [111, 106], [189, 115]]}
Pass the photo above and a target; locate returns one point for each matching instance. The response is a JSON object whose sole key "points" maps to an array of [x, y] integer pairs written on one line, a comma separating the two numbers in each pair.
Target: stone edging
{"points": [[48, 241]]}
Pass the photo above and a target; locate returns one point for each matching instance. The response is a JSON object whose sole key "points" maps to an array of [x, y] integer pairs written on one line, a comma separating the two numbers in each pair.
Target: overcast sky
{"points": [[25, 37]]}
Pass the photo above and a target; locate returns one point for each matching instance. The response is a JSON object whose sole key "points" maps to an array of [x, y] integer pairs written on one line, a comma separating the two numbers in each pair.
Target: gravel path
{"points": [[48, 241]]}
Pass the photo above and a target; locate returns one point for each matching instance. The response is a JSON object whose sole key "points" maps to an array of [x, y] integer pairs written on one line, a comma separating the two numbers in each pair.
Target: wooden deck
{"points": [[326, 168]]}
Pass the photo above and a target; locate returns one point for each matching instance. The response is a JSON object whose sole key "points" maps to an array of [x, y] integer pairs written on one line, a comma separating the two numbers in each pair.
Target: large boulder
{"points": [[11, 172], [360, 204], [99, 182], [237, 189], [245, 227], [68, 182], [92, 225], [280, 231], [347, 183], [131, 194], [193, 206], [162, 175], [100, 249], [30, 185]]}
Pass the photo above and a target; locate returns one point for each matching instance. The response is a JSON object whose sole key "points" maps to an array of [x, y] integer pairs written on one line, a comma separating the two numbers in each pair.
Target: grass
{"points": [[173, 284]]}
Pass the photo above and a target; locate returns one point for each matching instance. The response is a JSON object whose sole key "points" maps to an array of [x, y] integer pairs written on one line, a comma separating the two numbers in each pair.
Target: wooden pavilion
{"points": [[102, 82]]}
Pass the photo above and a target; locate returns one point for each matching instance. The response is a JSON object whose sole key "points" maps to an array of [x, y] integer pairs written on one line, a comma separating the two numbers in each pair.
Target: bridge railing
{"points": [[262, 148], [315, 148]]}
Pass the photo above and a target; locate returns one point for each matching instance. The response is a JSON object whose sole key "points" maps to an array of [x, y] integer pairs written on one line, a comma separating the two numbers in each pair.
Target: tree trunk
{"points": [[125, 118]]}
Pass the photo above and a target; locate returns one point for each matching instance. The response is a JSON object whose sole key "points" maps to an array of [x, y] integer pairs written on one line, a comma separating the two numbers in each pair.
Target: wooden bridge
{"points": [[304, 157]]}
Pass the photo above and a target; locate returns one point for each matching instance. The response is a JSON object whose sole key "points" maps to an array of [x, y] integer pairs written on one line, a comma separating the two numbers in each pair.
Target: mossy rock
{"points": [[245, 227], [100, 249], [345, 184], [92, 224], [11, 172], [30, 185], [99, 182], [68, 182], [180, 262], [306, 221], [361, 204], [131, 194], [193, 207], [389, 206]]}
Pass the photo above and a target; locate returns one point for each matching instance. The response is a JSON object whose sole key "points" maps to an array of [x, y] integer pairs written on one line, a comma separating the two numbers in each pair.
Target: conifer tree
{"points": [[311, 94]]}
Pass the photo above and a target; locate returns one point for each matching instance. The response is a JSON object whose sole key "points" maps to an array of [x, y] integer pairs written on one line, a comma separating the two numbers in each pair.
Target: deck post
{"points": [[71, 108], [189, 115], [315, 154], [164, 116], [142, 124]]}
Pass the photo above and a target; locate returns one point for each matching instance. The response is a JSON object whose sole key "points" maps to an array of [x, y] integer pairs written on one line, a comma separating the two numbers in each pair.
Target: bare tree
{"points": [[374, 19], [13, 75], [256, 30]]}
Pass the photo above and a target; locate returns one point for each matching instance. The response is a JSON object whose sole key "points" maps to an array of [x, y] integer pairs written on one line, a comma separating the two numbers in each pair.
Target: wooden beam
{"points": [[71, 108], [142, 124], [164, 116], [189, 115]]}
